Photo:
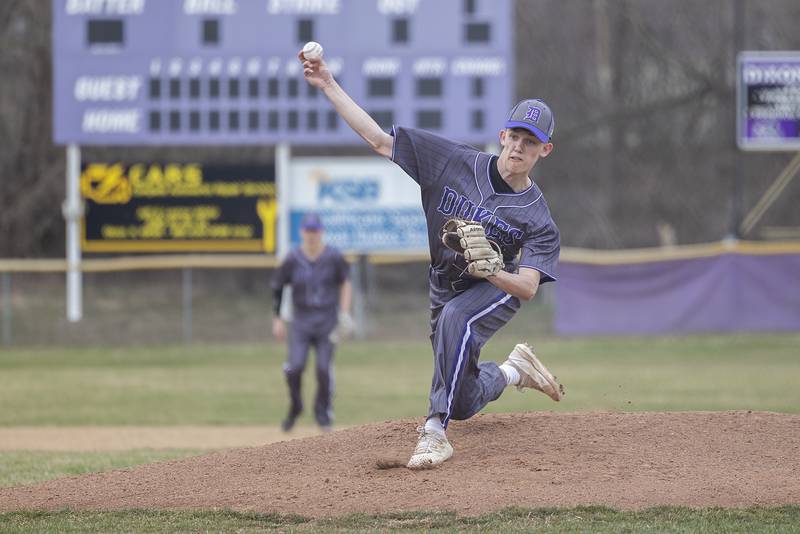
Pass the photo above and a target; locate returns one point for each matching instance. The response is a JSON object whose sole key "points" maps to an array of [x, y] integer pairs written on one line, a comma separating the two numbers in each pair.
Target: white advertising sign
{"points": [[367, 205]]}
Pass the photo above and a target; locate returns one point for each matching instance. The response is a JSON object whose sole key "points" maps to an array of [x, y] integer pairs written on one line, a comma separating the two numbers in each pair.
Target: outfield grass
{"points": [[581, 519], [243, 385]]}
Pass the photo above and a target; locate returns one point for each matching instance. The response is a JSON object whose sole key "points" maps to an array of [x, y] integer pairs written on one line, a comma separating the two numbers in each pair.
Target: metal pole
{"points": [[6, 295], [359, 297], [772, 194], [73, 210], [283, 161], [369, 284], [187, 305], [737, 192]]}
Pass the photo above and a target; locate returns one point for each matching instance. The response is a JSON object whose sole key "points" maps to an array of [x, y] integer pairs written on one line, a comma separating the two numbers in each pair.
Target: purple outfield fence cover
{"points": [[725, 292]]}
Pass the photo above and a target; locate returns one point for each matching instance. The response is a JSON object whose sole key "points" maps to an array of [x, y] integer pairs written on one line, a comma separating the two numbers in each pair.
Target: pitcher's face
{"points": [[521, 150]]}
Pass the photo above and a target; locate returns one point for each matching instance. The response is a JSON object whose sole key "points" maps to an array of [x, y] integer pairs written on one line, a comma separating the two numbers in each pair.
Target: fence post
{"points": [[187, 305], [360, 296], [6, 298]]}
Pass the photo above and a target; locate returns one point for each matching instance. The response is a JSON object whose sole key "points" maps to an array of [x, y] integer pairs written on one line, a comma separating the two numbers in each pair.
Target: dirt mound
{"points": [[624, 460]]}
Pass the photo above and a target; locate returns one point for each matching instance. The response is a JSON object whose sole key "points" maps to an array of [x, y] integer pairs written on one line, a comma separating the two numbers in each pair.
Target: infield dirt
{"points": [[623, 460]]}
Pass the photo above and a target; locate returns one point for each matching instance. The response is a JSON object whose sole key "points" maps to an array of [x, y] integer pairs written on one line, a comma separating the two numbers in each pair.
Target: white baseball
{"points": [[312, 50]]}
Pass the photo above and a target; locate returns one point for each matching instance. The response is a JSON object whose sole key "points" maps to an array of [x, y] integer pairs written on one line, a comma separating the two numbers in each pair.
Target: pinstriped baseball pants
{"points": [[461, 323]]}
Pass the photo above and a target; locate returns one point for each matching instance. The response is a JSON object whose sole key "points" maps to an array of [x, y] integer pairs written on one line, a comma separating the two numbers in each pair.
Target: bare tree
{"points": [[31, 168], [644, 93]]}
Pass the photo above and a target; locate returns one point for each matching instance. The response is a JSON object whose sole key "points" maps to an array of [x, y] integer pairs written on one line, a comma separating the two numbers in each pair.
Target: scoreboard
{"points": [[187, 72]]}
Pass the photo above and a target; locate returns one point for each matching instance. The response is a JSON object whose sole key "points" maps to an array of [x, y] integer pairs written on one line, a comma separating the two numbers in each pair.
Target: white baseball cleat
{"points": [[432, 449], [533, 374]]}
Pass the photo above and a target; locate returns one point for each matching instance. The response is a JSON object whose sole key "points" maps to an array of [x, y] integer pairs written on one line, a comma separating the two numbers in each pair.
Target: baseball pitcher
{"points": [[492, 243]]}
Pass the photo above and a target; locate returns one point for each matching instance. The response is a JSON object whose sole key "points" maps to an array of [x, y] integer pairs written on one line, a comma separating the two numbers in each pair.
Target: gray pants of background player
{"points": [[461, 323], [304, 334]]}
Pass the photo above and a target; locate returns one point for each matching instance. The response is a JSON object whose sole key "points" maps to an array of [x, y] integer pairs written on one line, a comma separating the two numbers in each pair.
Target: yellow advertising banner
{"points": [[178, 207]]}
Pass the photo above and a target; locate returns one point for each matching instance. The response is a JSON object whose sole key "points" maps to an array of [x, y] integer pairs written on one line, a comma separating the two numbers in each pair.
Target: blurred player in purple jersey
{"points": [[321, 296], [459, 182]]}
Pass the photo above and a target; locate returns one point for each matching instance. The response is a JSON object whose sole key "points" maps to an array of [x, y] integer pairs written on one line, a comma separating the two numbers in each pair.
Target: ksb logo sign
{"points": [[349, 191]]}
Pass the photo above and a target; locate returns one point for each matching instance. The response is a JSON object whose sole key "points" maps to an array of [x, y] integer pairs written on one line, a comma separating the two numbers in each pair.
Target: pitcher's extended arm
{"points": [[317, 74]]}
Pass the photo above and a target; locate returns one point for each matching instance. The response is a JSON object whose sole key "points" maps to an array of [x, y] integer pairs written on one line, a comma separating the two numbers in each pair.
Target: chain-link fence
{"points": [[197, 305]]}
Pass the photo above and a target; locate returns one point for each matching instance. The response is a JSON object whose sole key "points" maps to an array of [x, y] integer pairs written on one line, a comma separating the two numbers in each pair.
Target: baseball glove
{"points": [[468, 238]]}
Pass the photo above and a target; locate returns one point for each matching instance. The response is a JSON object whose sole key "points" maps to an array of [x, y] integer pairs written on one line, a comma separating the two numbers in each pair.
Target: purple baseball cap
{"points": [[535, 116], [311, 222]]}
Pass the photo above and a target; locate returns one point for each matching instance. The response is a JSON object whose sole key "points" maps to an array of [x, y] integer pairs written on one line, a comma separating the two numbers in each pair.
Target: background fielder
{"points": [[321, 297], [458, 181]]}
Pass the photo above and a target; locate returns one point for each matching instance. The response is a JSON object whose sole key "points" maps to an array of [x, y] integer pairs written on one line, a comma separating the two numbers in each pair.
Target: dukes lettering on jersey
{"points": [[455, 205]]}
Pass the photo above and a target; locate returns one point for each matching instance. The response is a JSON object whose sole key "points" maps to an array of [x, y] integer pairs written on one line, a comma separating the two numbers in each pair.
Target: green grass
{"points": [[19, 468], [580, 519], [243, 384]]}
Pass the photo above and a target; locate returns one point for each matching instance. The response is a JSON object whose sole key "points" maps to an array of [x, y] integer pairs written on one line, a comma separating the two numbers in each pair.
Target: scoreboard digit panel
{"points": [[141, 72]]}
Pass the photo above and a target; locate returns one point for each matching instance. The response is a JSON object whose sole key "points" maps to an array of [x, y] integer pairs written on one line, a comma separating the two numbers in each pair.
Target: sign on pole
{"points": [[178, 207], [367, 204], [768, 95]]}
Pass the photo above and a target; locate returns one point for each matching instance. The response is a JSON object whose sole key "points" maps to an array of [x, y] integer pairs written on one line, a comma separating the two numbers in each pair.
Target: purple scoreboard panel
{"points": [[768, 115], [153, 72]]}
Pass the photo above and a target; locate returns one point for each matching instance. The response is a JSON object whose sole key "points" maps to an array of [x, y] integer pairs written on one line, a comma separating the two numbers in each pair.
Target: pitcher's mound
{"points": [[623, 460]]}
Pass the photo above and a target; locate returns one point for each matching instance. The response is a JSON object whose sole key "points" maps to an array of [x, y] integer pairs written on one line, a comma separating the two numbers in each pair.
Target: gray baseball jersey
{"points": [[456, 181], [315, 284], [315, 302]]}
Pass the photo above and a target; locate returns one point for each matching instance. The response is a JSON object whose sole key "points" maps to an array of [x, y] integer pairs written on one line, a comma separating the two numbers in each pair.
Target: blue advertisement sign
{"points": [[188, 72], [769, 101], [369, 230], [366, 204]]}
